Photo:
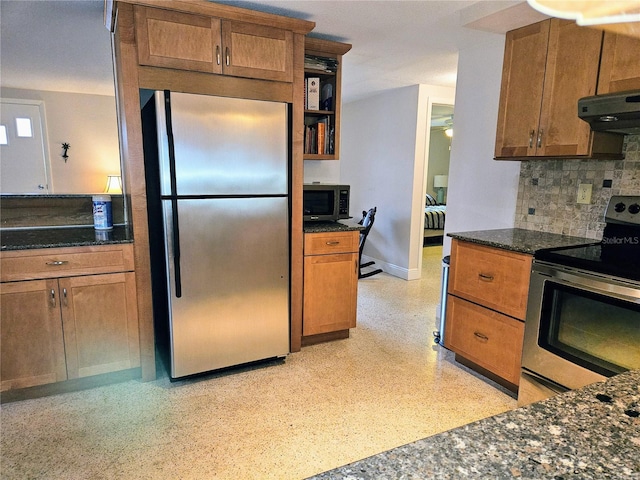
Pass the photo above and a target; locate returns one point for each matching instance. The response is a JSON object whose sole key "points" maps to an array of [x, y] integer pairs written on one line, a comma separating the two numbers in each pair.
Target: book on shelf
{"points": [[313, 93], [319, 137]]}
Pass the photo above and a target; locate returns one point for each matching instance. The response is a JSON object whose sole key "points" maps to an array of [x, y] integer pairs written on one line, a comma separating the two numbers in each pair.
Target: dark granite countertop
{"points": [[520, 240], [339, 226], [23, 239], [589, 433]]}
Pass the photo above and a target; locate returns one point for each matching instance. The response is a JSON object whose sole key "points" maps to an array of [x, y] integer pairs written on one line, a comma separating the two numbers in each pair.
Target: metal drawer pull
{"points": [[53, 297], [481, 336], [333, 244], [64, 297], [57, 263], [218, 54], [531, 134], [540, 137], [228, 56], [486, 278]]}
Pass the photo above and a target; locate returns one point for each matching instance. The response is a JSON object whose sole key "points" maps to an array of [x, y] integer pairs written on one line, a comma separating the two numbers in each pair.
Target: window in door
{"points": [[23, 150]]}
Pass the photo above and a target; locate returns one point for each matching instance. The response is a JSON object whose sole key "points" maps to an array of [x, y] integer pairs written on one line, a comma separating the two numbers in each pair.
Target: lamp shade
{"points": [[114, 184], [440, 181]]}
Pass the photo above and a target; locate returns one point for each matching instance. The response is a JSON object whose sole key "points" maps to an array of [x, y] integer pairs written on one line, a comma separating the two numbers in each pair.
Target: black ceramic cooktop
{"points": [[599, 258]]}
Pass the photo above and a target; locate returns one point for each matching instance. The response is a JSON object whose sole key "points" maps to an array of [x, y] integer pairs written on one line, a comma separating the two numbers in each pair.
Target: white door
{"points": [[23, 149]]}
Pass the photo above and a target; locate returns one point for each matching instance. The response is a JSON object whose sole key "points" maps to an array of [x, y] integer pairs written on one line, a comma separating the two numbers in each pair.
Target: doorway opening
{"points": [[437, 173]]}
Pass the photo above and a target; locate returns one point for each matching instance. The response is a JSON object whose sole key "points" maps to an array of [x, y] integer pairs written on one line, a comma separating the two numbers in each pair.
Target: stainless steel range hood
{"points": [[615, 112]]}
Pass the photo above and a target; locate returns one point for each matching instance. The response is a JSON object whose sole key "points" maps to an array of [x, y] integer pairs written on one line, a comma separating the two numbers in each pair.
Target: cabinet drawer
{"points": [[495, 278], [487, 338], [327, 243], [65, 262]]}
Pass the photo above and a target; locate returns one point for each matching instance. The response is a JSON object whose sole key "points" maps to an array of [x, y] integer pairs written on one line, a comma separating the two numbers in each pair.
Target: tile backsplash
{"points": [[548, 191]]}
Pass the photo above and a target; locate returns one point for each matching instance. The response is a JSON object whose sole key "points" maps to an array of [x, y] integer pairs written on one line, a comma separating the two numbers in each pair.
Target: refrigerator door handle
{"points": [[174, 200]]}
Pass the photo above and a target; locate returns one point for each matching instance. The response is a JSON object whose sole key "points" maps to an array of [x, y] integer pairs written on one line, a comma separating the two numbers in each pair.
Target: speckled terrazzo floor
{"points": [[326, 406]]}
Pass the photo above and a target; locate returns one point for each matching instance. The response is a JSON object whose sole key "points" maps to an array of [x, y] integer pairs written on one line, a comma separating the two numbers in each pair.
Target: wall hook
{"points": [[65, 155]]}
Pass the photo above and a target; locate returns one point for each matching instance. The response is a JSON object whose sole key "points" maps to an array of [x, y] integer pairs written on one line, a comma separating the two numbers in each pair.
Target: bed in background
{"points": [[434, 216]]}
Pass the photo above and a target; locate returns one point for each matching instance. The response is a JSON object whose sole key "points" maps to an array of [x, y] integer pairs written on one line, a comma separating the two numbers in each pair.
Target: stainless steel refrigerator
{"points": [[224, 189]]}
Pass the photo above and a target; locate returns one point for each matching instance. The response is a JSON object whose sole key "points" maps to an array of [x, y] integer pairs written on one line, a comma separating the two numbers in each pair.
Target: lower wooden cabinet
{"points": [[63, 328], [32, 345], [330, 282], [486, 306], [100, 323], [487, 338]]}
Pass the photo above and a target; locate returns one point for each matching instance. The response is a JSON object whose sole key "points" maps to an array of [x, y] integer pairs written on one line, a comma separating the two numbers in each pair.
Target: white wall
{"points": [[384, 144], [88, 123], [482, 192]]}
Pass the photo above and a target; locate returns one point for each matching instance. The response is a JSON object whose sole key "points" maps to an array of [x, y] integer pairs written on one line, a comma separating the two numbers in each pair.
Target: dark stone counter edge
{"points": [[520, 240], [28, 239], [339, 226], [593, 428]]}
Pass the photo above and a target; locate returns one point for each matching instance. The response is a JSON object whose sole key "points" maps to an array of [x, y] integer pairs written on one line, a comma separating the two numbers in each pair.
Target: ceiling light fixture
{"points": [[590, 12]]}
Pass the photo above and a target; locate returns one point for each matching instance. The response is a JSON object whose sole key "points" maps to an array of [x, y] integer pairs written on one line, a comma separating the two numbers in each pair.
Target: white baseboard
{"points": [[391, 269]]}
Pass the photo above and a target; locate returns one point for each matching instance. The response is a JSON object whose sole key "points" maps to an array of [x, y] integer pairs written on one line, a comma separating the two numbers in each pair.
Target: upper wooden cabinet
{"points": [[547, 67], [320, 52], [187, 41], [620, 64]]}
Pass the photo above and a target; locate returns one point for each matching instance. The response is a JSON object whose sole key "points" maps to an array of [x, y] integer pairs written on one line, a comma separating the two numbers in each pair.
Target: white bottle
{"points": [[102, 216]]}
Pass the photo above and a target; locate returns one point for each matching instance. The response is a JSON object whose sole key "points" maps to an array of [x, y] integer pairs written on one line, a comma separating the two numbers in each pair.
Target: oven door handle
{"points": [[591, 283]]}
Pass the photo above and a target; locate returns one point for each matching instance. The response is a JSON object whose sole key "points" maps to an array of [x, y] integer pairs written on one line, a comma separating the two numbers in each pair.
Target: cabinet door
{"points": [[487, 338], [100, 322], [521, 94], [619, 64], [257, 51], [32, 349], [571, 73], [178, 40], [330, 293]]}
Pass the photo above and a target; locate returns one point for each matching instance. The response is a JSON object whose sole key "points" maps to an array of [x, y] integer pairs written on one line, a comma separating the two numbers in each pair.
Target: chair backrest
{"points": [[367, 222]]}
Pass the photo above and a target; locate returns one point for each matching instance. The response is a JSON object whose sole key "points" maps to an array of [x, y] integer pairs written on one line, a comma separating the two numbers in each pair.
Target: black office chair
{"points": [[367, 222]]}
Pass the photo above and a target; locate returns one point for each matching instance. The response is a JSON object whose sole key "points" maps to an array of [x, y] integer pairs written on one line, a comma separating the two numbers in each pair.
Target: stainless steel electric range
{"points": [[583, 311]]}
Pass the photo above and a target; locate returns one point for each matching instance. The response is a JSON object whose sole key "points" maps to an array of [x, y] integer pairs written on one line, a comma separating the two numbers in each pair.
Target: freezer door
{"points": [[223, 146], [234, 261]]}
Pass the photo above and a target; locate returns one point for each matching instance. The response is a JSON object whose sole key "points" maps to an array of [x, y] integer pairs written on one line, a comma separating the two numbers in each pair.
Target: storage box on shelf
{"points": [[330, 285], [67, 313], [323, 79], [547, 67], [486, 307]]}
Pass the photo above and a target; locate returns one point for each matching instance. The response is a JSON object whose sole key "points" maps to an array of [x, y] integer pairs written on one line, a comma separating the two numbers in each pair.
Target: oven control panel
{"points": [[624, 209]]}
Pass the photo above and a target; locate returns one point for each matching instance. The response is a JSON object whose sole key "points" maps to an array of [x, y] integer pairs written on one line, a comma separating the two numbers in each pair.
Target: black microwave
{"points": [[325, 202]]}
